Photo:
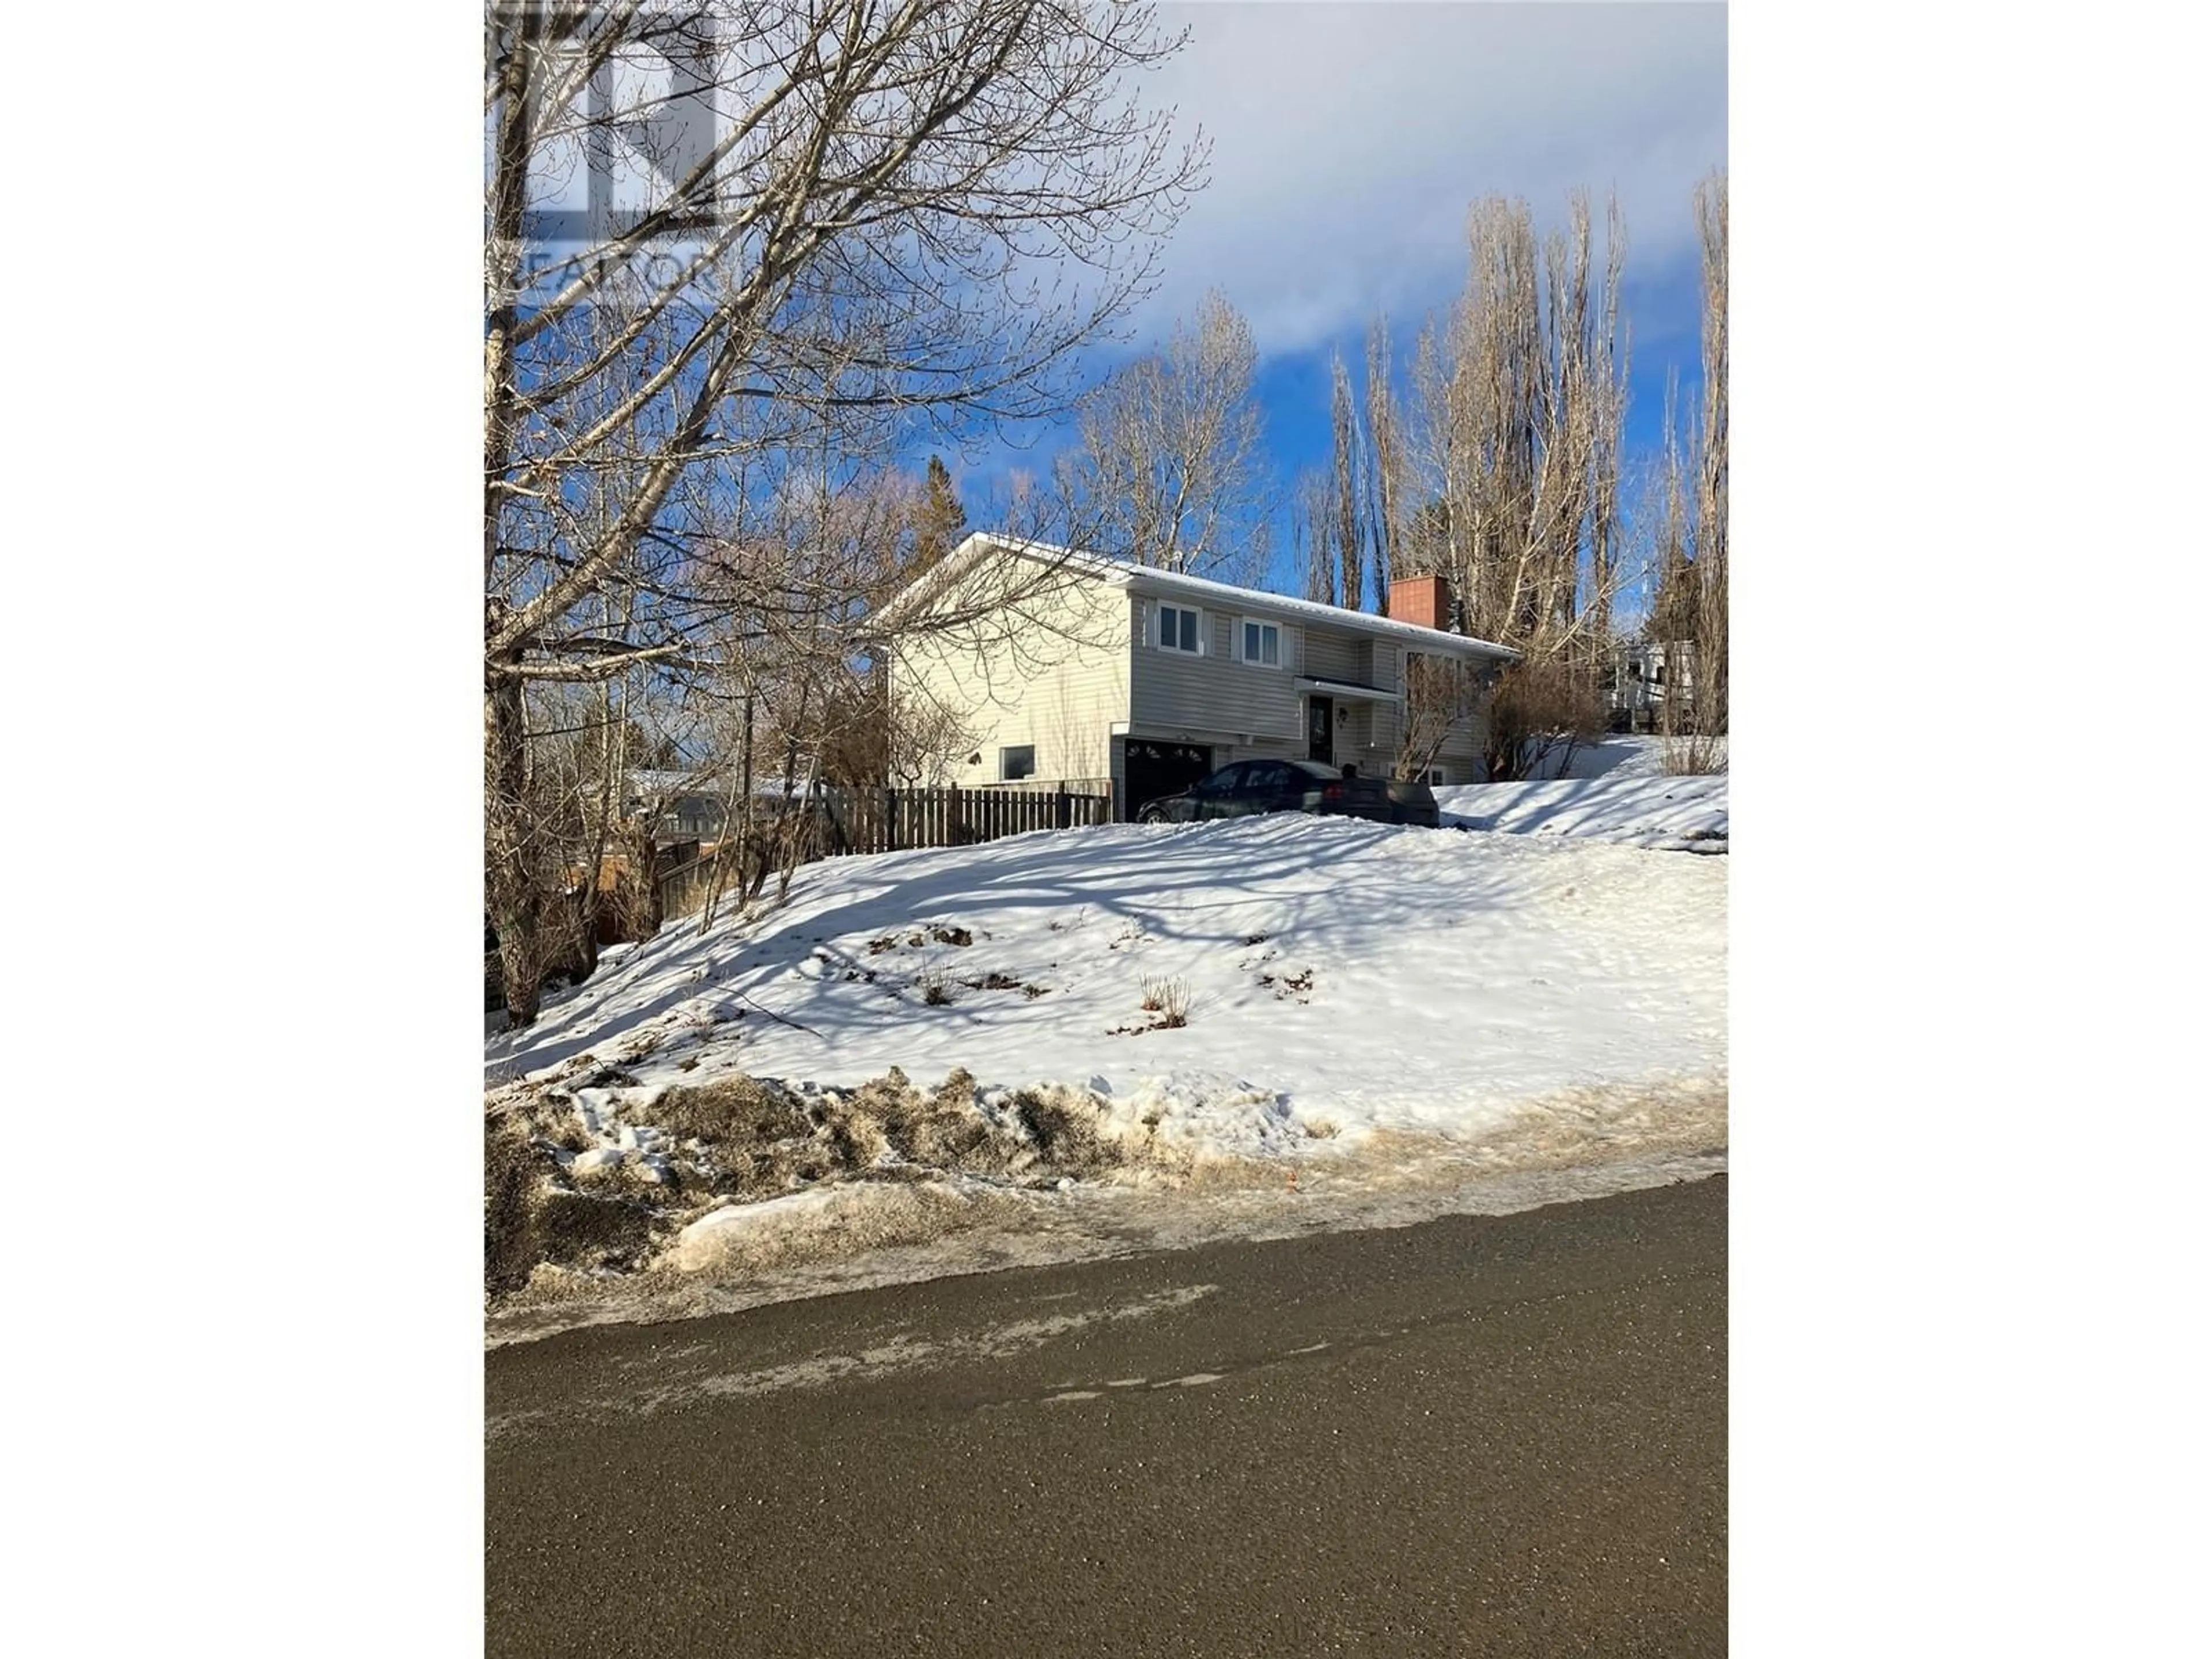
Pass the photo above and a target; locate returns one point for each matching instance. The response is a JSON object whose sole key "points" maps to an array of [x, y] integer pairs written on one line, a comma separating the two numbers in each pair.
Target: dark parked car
{"points": [[1247, 787]]}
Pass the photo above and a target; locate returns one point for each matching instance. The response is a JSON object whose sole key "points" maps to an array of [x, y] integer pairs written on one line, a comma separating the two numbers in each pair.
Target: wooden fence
{"points": [[892, 820], [838, 822]]}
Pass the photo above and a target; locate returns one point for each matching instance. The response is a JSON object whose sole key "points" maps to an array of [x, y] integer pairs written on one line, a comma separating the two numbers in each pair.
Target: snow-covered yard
{"points": [[1687, 815], [1633, 756], [1358, 997], [1617, 791], [1357, 974]]}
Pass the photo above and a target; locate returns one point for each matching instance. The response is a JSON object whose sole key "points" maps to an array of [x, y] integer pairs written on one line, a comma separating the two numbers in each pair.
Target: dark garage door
{"points": [[1154, 769]]}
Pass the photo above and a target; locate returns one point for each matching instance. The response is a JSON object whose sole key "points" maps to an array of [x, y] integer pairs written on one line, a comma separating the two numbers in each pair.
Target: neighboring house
{"points": [[1647, 677], [1142, 680], [690, 810]]}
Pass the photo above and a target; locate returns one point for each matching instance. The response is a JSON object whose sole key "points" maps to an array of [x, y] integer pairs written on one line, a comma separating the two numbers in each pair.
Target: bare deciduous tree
{"points": [[1347, 495], [1712, 556], [1519, 396], [1690, 614], [845, 216], [1167, 470], [1387, 496], [928, 740], [1441, 694], [1310, 535]]}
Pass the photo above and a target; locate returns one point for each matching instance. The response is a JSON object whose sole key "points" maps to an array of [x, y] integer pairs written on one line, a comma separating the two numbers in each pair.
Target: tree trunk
{"points": [[512, 890]]}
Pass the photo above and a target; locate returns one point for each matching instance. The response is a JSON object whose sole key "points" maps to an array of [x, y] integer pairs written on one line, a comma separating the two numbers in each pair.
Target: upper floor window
{"points": [[1262, 642], [1178, 629]]}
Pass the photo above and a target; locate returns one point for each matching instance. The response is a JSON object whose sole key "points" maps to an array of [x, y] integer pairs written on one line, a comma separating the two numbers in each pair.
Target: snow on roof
{"points": [[1176, 584], [703, 784], [646, 782]]}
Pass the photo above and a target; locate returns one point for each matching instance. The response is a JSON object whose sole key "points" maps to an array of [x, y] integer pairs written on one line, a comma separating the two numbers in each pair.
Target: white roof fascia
{"points": [[1347, 688]]}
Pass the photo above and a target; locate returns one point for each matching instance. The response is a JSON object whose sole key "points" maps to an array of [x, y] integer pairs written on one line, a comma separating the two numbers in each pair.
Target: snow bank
{"points": [[1344, 978], [1639, 756], [1382, 1023], [830, 1220], [1618, 790], [1647, 811]]}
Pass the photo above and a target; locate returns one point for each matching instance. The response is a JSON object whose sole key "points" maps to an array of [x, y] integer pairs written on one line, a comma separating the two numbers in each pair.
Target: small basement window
{"points": [[1178, 629], [1263, 644], [1015, 765]]}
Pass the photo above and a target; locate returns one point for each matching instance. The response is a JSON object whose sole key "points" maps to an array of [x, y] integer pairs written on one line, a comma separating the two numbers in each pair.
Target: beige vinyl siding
{"points": [[1366, 731], [1332, 656], [1370, 734], [1458, 755], [1380, 664], [1360, 729], [1215, 697], [1213, 693], [1066, 698], [1062, 697]]}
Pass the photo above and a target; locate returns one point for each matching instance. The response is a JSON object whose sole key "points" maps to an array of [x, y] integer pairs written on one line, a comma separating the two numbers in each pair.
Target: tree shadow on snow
{"points": [[1193, 887]]}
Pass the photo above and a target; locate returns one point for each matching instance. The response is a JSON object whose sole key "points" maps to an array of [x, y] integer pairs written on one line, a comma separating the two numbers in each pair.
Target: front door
{"points": [[1320, 730]]}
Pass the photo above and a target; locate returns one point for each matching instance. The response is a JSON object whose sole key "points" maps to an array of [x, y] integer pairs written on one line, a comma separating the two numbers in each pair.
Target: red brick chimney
{"points": [[1424, 601]]}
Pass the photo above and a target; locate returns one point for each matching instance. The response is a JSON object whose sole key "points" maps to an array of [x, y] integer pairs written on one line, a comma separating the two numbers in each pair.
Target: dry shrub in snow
{"points": [[1539, 708], [1170, 999], [1694, 753]]}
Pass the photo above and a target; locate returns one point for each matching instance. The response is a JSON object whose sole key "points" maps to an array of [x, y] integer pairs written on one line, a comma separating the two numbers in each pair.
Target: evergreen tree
{"points": [[940, 520]]}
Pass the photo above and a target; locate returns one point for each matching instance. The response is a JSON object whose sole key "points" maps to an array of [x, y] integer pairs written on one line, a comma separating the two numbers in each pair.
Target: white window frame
{"points": [[1197, 629], [1265, 628], [1006, 748]]}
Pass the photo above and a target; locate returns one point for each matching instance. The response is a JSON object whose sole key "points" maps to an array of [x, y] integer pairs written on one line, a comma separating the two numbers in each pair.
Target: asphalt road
{"points": [[1503, 1435]]}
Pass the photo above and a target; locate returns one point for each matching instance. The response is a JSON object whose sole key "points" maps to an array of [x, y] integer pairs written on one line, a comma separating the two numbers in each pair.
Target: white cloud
{"points": [[1349, 139]]}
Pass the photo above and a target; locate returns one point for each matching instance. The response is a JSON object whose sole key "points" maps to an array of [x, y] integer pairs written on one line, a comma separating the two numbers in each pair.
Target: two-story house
{"points": [[1053, 665], [1651, 680]]}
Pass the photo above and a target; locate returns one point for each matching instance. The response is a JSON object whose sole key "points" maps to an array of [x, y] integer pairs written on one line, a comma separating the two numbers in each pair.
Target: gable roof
{"points": [[1152, 582]]}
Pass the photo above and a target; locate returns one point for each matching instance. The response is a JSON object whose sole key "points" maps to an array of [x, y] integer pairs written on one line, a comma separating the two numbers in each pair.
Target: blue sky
{"points": [[1349, 138]]}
